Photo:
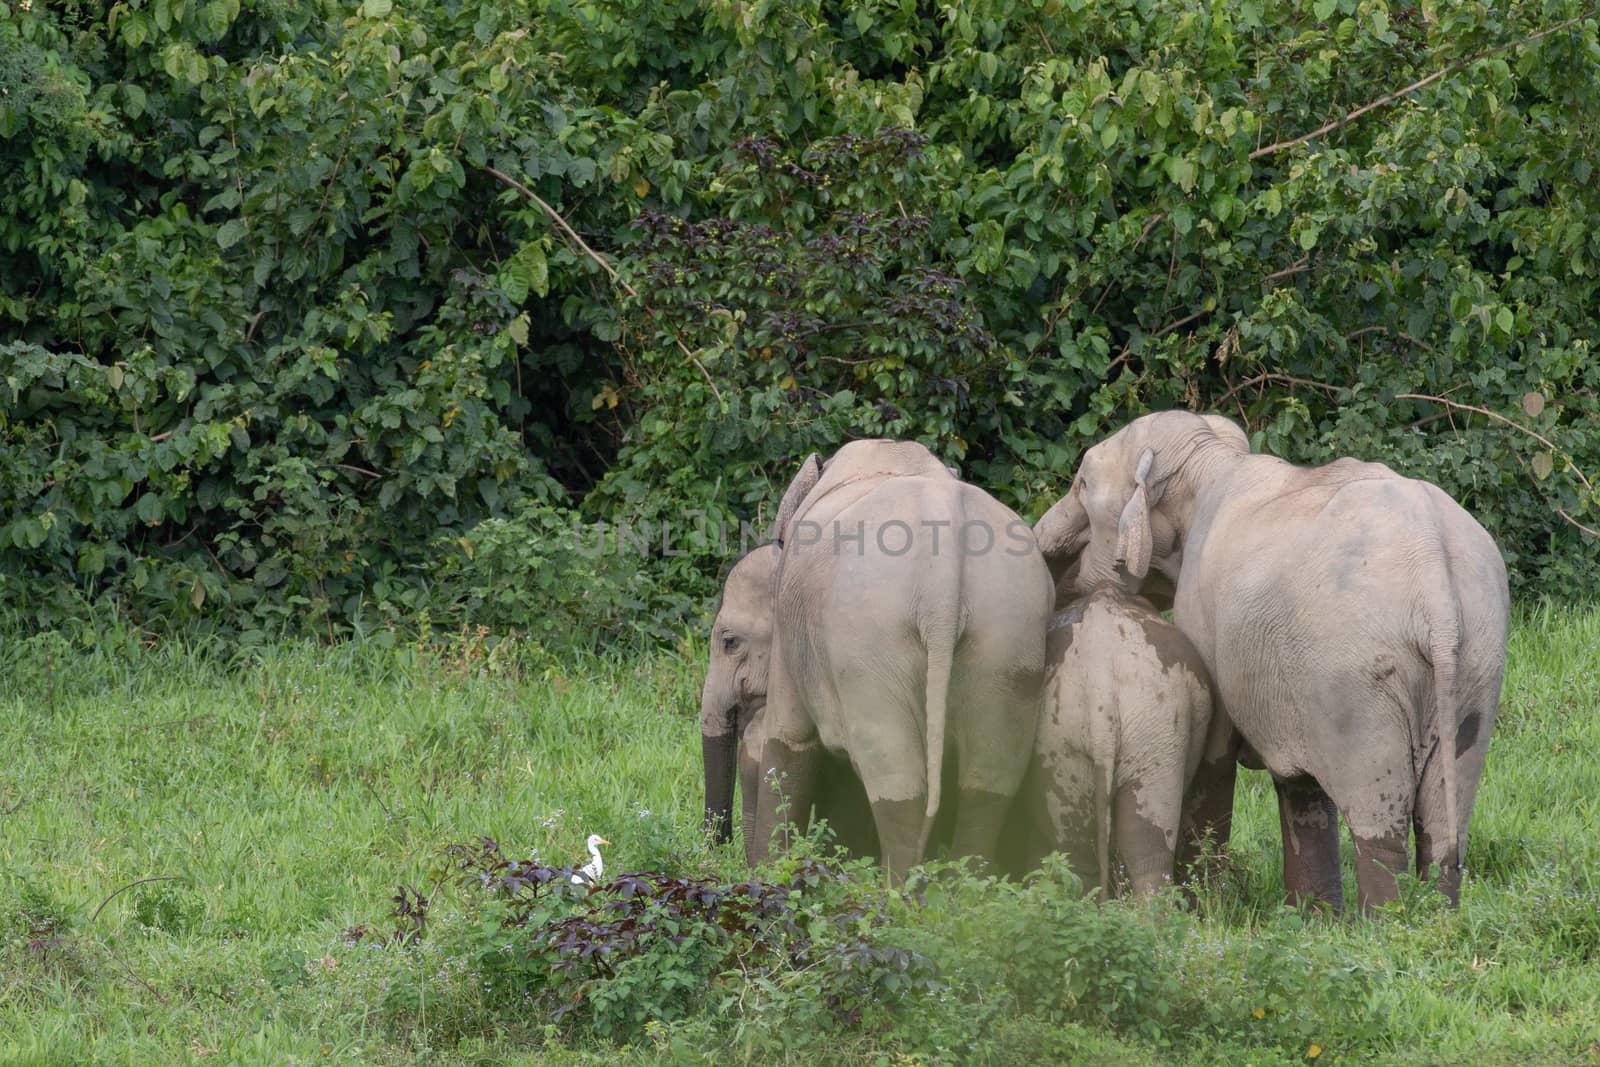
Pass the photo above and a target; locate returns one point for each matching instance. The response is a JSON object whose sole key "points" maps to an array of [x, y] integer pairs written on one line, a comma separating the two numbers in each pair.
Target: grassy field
{"points": [[285, 792]]}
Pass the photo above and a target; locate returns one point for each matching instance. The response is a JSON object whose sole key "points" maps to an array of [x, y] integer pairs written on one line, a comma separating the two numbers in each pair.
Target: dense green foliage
{"points": [[287, 792], [276, 341]]}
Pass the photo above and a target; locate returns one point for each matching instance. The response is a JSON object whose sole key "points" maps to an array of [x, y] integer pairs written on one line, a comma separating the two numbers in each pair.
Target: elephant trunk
{"points": [[1062, 532], [719, 756], [719, 745]]}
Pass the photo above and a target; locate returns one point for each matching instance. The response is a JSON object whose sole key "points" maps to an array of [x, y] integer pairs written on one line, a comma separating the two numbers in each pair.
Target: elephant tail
{"points": [[1443, 639], [941, 630], [1103, 747]]}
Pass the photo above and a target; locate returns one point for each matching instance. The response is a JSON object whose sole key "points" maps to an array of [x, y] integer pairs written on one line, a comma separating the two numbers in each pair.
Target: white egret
{"points": [[591, 871]]}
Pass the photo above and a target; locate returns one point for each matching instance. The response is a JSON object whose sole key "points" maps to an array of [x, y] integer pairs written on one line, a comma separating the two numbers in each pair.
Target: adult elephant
{"points": [[898, 624], [1354, 622]]}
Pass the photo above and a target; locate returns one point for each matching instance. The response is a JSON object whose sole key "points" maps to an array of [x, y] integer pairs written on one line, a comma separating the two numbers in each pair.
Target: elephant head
{"points": [[1118, 524], [735, 690]]}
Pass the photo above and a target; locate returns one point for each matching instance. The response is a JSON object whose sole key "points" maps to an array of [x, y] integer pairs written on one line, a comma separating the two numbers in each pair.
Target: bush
{"points": [[294, 296]]}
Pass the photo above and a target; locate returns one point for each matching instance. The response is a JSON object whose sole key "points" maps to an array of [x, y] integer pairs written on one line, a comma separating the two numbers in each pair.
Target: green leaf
{"points": [[376, 9], [1182, 172], [1324, 9], [1505, 319], [1308, 236], [134, 100], [232, 232]]}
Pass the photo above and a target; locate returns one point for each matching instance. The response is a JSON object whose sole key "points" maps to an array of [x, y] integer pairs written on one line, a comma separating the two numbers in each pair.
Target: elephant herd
{"points": [[911, 661]]}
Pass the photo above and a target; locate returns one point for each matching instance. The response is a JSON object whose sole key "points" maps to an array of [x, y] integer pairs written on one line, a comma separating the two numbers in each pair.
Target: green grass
{"points": [[288, 790]]}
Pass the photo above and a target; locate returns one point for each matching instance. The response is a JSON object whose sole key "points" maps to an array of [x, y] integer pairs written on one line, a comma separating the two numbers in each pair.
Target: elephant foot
{"points": [[1310, 825], [1378, 860]]}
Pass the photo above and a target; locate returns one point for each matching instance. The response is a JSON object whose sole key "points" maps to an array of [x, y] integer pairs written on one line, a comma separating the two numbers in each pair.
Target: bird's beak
{"points": [[603, 841]]}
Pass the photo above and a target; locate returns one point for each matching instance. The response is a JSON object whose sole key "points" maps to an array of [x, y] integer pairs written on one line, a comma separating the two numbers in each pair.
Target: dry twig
{"points": [[1284, 378], [1541, 438], [1421, 83], [605, 265]]}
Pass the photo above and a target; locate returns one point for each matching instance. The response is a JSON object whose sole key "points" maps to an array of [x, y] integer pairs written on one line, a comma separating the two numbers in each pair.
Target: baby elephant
{"points": [[1127, 706]]}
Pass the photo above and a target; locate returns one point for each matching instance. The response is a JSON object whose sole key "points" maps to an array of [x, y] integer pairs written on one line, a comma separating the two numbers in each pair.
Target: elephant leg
{"points": [[980, 823], [1025, 837], [900, 833], [785, 792], [1310, 825], [1208, 802], [842, 801], [750, 796], [1144, 827], [1378, 805], [1067, 812], [1437, 841], [1435, 837], [994, 717], [1379, 858], [888, 755]]}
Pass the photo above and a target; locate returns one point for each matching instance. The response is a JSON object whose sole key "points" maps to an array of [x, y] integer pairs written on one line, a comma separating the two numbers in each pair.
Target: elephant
{"points": [[1126, 708], [897, 624], [732, 704], [1353, 622]]}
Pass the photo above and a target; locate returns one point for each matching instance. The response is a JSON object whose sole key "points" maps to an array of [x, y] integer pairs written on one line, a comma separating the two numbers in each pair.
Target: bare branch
{"points": [[1588, 530], [605, 265], [1302, 264], [1284, 378], [1511, 423], [130, 885], [555, 216], [1390, 98]]}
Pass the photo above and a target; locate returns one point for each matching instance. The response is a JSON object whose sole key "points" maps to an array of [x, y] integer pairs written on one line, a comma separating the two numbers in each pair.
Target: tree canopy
{"points": [[326, 315]]}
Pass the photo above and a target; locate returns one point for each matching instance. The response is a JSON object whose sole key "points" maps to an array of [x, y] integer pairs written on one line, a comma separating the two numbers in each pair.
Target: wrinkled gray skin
{"points": [[1353, 622], [1127, 703], [898, 652]]}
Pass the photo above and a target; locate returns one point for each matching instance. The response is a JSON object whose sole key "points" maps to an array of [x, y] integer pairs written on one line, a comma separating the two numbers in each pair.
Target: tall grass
{"points": [[285, 792]]}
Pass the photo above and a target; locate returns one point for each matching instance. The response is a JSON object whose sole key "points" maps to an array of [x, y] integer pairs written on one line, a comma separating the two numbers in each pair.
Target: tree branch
{"points": [[555, 216], [1565, 457], [1588, 530], [1301, 264], [605, 265], [1390, 98], [1286, 379]]}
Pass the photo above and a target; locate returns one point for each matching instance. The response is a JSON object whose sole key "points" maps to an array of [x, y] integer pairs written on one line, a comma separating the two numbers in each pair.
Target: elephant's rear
{"points": [[1471, 615], [997, 675], [1127, 706], [921, 604]]}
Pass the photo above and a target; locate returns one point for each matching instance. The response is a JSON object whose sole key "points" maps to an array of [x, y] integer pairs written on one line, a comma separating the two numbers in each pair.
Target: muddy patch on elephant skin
{"points": [[1170, 646]]}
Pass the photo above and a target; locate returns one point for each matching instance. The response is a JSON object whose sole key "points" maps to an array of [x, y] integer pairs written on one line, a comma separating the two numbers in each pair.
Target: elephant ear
{"points": [[795, 495], [1133, 528]]}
